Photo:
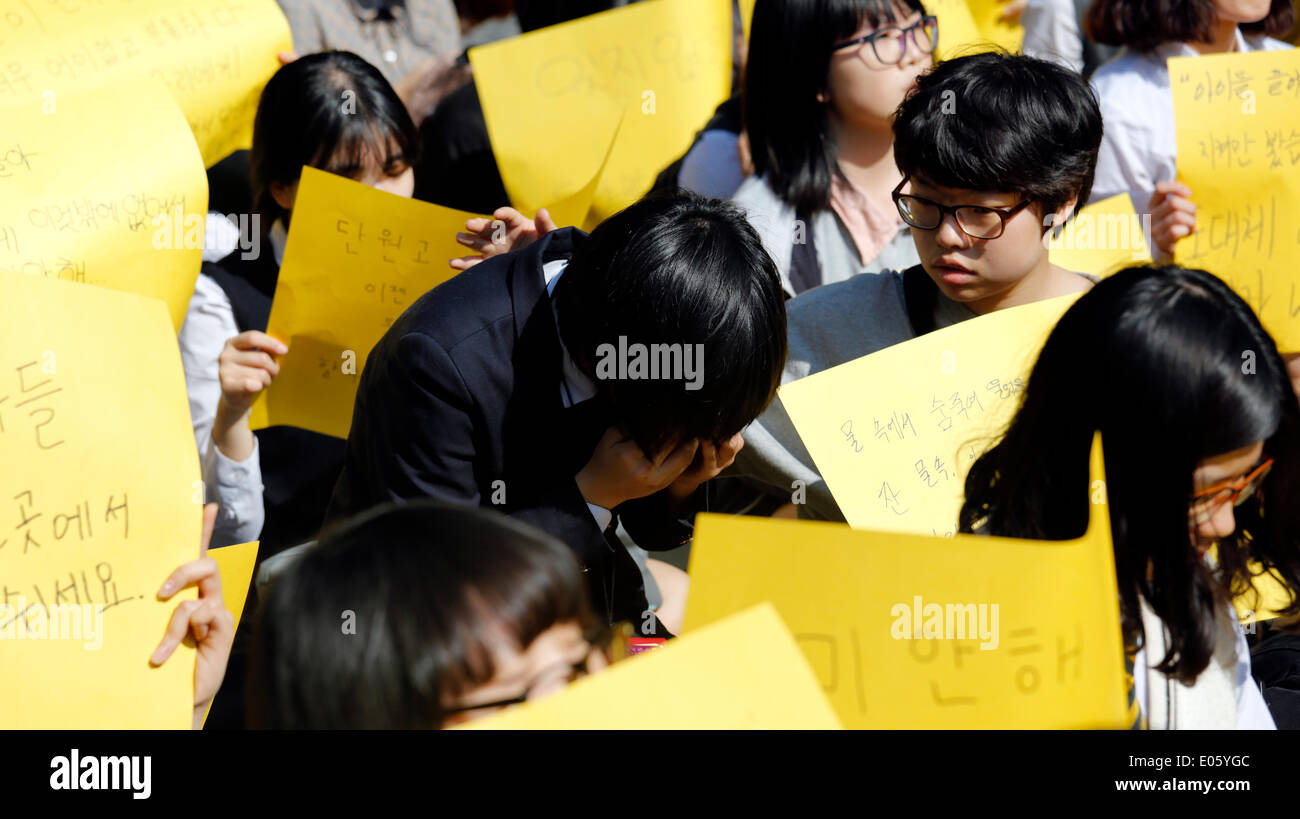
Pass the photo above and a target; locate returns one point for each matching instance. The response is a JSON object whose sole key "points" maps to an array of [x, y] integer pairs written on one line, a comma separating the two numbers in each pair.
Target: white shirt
{"points": [[1139, 146], [1052, 32], [575, 387], [1251, 711], [236, 486]]}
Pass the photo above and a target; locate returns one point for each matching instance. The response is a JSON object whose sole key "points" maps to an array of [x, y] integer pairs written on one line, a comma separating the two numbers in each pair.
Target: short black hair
{"points": [[1002, 122], [789, 58], [306, 117], [1144, 24], [677, 268], [430, 586]]}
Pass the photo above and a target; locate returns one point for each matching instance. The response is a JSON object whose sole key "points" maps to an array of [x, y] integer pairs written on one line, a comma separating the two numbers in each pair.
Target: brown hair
{"points": [[1144, 24]]}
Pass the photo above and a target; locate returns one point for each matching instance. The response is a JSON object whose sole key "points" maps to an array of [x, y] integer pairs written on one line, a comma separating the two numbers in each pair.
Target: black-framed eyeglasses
{"points": [[889, 44], [610, 641], [976, 221]]}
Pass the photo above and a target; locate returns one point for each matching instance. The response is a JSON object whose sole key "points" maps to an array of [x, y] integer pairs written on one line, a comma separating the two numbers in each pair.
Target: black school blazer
{"points": [[464, 391]]}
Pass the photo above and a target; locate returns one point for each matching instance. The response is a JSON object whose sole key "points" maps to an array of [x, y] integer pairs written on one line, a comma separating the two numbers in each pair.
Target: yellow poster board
{"points": [[553, 98], [356, 258], [1103, 237], [959, 35], [743, 672], [90, 380], [746, 16], [213, 55], [236, 565], [108, 189], [1239, 152], [915, 631], [896, 459], [993, 27]]}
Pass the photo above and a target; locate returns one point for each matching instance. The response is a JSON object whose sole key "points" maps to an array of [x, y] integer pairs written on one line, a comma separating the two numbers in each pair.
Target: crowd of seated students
{"points": [[877, 194]]}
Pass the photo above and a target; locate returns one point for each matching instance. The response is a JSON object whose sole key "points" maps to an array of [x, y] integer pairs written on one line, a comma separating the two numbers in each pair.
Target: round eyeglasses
{"points": [[889, 44], [976, 221], [1207, 501]]}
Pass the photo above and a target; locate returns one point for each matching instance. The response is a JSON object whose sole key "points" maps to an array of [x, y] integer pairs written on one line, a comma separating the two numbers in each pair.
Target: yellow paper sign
{"points": [[912, 631], [236, 564], [959, 35], [90, 378], [746, 16], [1239, 152], [553, 99], [1102, 238], [744, 672], [896, 459], [107, 189], [214, 56], [356, 258], [993, 27]]}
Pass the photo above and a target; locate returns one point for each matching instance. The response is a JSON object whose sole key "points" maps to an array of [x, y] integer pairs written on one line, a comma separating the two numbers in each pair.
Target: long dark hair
{"points": [[789, 58], [429, 586], [1172, 367], [331, 111]]}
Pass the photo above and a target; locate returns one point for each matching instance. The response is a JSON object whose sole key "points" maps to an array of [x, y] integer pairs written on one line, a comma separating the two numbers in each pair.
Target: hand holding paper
{"points": [[507, 231]]}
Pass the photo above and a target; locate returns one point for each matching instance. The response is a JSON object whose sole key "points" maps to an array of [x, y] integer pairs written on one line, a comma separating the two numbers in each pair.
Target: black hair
{"points": [[331, 110], [789, 59], [677, 268], [1002, 122], [1144, 24], [1172, 367], [430, 587]]}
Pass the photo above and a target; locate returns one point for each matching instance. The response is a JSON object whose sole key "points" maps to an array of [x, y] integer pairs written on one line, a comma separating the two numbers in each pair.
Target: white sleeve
{"points": [[209, 324], [1052, 32], [1252, 711], [236, 486]]}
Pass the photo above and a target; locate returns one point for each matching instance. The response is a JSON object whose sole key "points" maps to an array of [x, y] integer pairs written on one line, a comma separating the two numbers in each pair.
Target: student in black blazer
{"points": [[503, 386]]}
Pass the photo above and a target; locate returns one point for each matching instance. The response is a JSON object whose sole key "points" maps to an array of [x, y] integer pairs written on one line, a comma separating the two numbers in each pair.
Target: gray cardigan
{"points": [[837, 255]]}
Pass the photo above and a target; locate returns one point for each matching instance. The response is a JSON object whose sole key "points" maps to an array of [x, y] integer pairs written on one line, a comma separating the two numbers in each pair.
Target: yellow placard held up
{"points": [[355, 259], [746, 16], [554, 98], [90, 380], [914, 631], [958, 33], [993, 27], [213, 55], [106, 189], [1239, 152], [236, 565], [1102, 238], [744, 672], [896, 459]]}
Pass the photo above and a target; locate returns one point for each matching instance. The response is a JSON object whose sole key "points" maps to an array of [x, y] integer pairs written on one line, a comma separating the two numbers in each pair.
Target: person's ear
{"points": [[284, 194], [1062, 214]]}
